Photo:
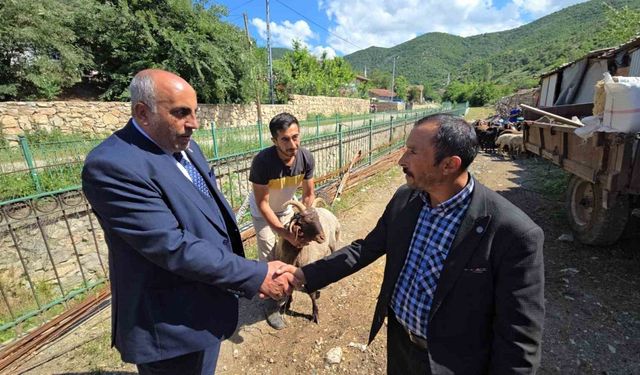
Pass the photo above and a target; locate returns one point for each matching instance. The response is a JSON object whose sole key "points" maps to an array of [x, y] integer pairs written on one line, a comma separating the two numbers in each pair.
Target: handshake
{"points": [[281, 280]]}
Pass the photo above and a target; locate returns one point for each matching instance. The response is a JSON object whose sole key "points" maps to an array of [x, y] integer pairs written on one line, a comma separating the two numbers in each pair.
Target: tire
{"points": [[591, 223]]}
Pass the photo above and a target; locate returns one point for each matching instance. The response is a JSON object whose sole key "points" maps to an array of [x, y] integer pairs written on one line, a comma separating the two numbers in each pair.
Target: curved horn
{"points": [[297, 204], [319, 200]]}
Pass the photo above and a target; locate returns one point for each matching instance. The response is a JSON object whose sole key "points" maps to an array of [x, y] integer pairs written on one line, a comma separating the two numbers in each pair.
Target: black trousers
{"points": [[403, 356], [196, 363]]}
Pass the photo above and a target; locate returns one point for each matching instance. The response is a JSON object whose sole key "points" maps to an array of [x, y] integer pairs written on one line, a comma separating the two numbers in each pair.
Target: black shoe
{"points": [[275, 320]]}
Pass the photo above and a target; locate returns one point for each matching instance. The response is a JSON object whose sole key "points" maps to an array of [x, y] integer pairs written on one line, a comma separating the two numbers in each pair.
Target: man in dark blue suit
{"points": [[176, 260]]}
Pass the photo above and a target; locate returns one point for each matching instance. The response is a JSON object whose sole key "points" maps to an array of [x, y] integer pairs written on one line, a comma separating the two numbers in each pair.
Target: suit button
{"points": [[225, 242]]}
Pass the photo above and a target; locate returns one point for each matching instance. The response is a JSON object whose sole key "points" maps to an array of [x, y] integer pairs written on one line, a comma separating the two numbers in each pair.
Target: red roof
{"points": [[382, 93]]}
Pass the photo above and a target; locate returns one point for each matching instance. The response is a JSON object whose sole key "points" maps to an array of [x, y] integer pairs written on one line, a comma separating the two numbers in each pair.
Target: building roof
{"points": [[603, 53], [383, 93]]}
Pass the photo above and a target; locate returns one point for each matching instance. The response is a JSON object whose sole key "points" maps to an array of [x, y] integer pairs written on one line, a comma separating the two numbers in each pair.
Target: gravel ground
{"points": [[592, 299]]}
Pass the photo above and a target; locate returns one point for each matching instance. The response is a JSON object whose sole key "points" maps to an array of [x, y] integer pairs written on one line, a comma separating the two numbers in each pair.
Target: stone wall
{"points": [[389, 106], [101, 118]]}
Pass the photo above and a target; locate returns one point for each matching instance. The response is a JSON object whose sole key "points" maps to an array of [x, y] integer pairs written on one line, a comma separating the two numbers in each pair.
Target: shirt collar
{"points": [[457, 200]]}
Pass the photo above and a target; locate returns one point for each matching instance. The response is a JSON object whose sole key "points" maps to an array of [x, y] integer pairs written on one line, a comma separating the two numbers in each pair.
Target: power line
{"points": [[240, 6], [315, 23]]}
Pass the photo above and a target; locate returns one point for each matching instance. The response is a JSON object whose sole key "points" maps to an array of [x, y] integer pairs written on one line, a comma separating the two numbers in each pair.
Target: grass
{"points": [[479, 113], [22, 302]]}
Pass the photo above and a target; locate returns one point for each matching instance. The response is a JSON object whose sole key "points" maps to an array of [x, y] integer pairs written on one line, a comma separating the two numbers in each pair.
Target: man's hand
{"points": [[298, 276], [276, 286]]}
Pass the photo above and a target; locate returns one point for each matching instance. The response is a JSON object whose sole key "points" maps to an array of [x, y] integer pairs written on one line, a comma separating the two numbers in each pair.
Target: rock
{"points": [[361, 347], [612, 349], [334, 356], [566, 237], [236, 353], [572, 271]]}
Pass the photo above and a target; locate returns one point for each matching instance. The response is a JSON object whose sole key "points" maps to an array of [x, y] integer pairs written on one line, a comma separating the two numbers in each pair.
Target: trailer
{"points": [[604, 188]]}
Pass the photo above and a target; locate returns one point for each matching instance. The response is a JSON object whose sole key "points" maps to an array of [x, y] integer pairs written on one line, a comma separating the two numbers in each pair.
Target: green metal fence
{"points": [[52, 248], [34, 170]]}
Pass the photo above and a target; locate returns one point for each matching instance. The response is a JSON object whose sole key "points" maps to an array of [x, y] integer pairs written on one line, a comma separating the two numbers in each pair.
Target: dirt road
{"points": [[592, 299]]}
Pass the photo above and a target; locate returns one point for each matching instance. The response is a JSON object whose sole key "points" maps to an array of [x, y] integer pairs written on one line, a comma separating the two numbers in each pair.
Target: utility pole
{"points": [[271, 98], [393, 79], [256, 82]]}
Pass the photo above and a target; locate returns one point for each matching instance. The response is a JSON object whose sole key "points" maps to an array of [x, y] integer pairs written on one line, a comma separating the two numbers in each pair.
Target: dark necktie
{"points": [[196, 177]]}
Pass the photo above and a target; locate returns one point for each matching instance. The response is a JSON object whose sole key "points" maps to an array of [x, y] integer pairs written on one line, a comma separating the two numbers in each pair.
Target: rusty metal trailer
{"points": [[605, 184]]}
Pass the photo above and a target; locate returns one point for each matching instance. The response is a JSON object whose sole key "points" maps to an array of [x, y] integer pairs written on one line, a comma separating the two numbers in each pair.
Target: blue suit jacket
{"points": [[176, 260]]}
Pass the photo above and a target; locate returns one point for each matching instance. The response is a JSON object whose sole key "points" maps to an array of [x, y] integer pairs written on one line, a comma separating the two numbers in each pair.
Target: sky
{"points": [[341, 27]]}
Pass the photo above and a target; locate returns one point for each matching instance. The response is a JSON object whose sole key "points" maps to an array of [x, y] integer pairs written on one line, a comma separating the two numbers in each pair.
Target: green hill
{"points": [[515, 56]]}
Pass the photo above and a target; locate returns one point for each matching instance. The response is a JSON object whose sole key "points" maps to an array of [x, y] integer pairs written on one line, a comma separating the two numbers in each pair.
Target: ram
{"points": [[321, 229]]}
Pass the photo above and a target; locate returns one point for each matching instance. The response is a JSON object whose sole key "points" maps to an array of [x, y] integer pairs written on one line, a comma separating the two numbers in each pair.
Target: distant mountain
{"points": [[512, 56], [277, 53]]}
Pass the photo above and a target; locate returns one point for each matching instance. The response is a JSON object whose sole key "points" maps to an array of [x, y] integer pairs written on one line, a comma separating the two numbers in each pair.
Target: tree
{"points": [[402, 87], [178, 35], [380, 79], [621, 24], [299, 72], [38, 52]]}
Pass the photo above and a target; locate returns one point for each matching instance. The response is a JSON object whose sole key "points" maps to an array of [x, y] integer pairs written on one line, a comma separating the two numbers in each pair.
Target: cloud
{"points": [[285, 33], [359, 24], [539, 8]]}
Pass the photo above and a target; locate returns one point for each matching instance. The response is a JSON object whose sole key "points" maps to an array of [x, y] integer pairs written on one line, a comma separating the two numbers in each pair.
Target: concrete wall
{"points": [[105, 117]]}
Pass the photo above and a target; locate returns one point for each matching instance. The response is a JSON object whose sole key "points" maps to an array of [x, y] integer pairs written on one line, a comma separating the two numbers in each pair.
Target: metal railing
{"points": [[53, 251]]}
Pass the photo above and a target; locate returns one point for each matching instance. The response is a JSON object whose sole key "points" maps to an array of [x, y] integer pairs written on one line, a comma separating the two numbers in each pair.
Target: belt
{"points": [[416, 340]]}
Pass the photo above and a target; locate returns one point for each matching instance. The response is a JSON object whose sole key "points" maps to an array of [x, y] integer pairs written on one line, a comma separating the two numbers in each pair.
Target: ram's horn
{"points": [[319, 200], [297, 204]]}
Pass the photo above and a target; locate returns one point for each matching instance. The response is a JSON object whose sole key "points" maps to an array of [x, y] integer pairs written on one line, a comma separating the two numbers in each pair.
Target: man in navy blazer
{"points": [[176, 261], [463, 286]]}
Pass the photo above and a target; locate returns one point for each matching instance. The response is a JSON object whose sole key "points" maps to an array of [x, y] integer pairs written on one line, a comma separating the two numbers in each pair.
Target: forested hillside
{"points": [[514, 56]]}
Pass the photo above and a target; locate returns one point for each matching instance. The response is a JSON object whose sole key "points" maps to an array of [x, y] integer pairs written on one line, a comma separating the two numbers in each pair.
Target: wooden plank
{"points": [[580, 170], [634, 185], [532, 148], [562, 119], [569, 110]]}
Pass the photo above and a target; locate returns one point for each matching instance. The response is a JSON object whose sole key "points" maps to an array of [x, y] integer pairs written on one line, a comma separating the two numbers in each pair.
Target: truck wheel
{"points": [[592, 224]]}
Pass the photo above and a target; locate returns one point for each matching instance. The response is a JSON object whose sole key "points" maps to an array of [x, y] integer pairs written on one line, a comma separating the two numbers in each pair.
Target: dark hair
{"points": [[281, 121], [454, 137]]}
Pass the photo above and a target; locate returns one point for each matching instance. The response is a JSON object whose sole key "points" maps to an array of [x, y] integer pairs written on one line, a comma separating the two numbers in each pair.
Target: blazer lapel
{"points": [[472, 229], [402, 235], [193, 194], [201, 165], [131, 135]]}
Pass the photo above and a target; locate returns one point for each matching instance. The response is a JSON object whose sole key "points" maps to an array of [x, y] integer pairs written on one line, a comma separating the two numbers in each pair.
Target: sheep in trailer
{"points": [[318, 226]]}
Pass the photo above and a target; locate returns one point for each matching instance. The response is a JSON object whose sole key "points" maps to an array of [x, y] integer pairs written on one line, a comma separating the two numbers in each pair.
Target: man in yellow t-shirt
{"points": [[276, 173]]}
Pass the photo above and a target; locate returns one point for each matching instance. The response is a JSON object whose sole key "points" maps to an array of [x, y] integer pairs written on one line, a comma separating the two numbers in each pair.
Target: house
{"points": [[381, 94]]}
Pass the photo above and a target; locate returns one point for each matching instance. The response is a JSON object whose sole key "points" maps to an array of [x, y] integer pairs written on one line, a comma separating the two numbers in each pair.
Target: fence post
{"points": [[390, 128], [213, 137], [28, 158], [317, 125], [370, 140], [340, 146], [260, 135], [337, 120]]}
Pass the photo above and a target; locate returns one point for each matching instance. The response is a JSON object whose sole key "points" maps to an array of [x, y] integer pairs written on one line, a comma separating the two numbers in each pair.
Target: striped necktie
{"points": [[196, 177]]}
